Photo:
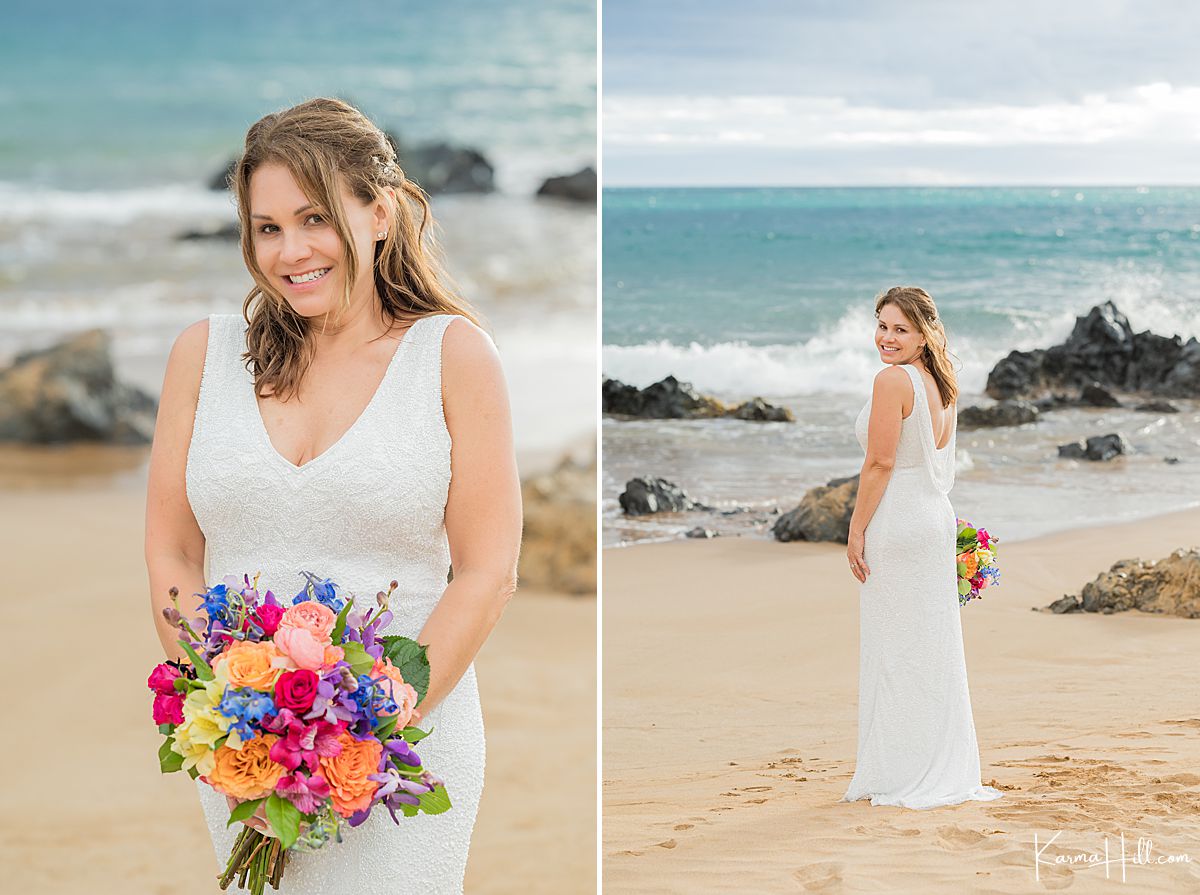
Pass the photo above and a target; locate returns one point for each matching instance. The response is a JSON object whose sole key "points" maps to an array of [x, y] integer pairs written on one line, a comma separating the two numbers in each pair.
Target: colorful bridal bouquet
{"points": [[976, 559], [302, 711]]}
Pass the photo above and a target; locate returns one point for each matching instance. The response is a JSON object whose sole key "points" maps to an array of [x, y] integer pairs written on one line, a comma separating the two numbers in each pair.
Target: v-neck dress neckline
{"points": [[265, 436]]}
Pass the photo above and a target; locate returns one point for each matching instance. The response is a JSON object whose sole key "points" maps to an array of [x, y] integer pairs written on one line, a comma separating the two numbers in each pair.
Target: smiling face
{"points": [[294, 239], [896, 337]]}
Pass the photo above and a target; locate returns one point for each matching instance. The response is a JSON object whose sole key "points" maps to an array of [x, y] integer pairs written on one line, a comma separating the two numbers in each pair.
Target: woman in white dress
{"points": [[353, 421], [916, 735]]}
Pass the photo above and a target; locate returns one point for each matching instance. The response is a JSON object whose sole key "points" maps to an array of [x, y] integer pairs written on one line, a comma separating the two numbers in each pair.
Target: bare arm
{"points": [[174, 542], [483, 508], [883, 435]]}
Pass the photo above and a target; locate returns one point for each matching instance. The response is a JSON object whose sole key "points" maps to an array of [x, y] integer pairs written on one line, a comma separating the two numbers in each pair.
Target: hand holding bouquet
{"points": [[302, 715], [976, 560]]}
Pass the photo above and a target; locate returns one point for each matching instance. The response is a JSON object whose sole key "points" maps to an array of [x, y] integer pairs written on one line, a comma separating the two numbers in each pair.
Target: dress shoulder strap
{"points": [[224, 370]]}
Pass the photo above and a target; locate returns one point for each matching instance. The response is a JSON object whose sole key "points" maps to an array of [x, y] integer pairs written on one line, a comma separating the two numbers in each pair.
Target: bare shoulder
{"points": [[467, 350], [893, 380]]}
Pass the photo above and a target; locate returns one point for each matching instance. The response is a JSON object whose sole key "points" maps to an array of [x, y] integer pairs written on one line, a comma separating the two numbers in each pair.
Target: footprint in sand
{"points": [[753, 788], [1134, 735], [669, 843], [823, 877], [887, 830], [683, 826], [955, 838]]}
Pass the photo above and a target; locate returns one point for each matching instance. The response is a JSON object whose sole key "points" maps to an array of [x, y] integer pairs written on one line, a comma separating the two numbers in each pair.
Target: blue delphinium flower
{"points": [[246, 706], [215, 603], [323, 591]]}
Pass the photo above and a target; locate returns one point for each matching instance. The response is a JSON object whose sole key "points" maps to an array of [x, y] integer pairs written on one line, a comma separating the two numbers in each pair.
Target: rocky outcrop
{"points": [[558, 547], [438, 167], [69, 392], [822, 515], [1170, 586], [759, 411], [1102, 349], [650, 494], [1097, 448], [670, 399], [1003, 413], [1157, 407], [577, 187]]}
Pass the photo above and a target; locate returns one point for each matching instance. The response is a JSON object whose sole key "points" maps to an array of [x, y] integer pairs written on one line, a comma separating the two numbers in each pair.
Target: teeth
{"points": [[309, 277]]}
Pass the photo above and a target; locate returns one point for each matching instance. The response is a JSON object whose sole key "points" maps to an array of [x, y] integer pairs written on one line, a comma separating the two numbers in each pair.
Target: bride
{"points": [[353, 421], [916, 735]]}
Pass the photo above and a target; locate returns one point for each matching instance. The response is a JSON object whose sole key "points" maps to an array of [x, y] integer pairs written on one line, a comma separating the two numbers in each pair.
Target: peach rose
{"points": [[250, 665], [301, 647], [404, 693], [249, 772], [347, 773], [311, 616], [333, 655], [971, 562]]}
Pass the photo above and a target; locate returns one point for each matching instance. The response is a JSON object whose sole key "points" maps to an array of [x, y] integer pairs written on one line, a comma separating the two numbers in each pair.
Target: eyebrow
{"points": [[267, 217]]}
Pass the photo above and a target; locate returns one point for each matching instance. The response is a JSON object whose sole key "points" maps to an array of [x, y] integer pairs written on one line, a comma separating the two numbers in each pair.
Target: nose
{"points": [[295, 247]]}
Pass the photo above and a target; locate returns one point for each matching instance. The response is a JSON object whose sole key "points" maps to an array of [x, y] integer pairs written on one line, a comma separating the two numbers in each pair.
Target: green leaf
{"points": [[180, 684], [220, 741], [284, 818], [339, 627], [409, 658], [243, 810], [168, 759], [962, 570], [192, 772], [435, 802], [203, 671], [358, 657], [385, 728], [413, 735], [964, 587]]}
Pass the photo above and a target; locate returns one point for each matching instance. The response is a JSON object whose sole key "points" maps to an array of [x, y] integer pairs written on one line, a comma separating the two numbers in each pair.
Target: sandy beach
{"points": [[118, 825], [730, 704]]}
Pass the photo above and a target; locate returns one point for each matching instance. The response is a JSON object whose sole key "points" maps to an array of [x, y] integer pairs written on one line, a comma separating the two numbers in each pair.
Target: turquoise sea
{"points": [[117, 114], [771, 292]]}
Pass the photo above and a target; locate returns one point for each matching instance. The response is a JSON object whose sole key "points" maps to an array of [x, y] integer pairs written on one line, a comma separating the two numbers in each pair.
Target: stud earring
{"points": [[381, 234]]}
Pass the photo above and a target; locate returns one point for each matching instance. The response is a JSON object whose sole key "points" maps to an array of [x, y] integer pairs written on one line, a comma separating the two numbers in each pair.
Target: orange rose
{"points": [[314, 617], [251, 665], [404, 693], [972, 563], [347, 773], [249, 772]]}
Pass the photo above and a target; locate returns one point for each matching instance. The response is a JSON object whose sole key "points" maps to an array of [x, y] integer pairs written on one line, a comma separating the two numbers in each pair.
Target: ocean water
{"points": [[771, 292], [117, 115]]}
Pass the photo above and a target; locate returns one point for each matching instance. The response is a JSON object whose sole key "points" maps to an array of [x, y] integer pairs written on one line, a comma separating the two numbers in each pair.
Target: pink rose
{"points": [[267, 616], [316, 618], [168, 709], [402, 692], [299, 645], [296, 690], [162, 679]]}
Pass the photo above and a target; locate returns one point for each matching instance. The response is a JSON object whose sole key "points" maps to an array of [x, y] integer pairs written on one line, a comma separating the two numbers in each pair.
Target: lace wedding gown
{"points": [[366, 511], [916, 734]]}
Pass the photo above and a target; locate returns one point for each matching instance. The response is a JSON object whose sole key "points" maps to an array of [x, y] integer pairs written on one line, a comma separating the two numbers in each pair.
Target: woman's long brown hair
{"points": [[324, 142], [918, 308]]}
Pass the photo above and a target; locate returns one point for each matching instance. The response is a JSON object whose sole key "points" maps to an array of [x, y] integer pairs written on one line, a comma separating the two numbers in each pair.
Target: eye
{"points": [[263, 228]]}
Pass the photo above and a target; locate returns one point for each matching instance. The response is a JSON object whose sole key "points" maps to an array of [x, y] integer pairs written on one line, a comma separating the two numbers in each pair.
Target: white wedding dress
{"points": [[916, 735], [368, 510]]}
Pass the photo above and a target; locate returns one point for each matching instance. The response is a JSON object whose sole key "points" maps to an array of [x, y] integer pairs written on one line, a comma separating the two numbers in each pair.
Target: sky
{"points": [[906, 92]]}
